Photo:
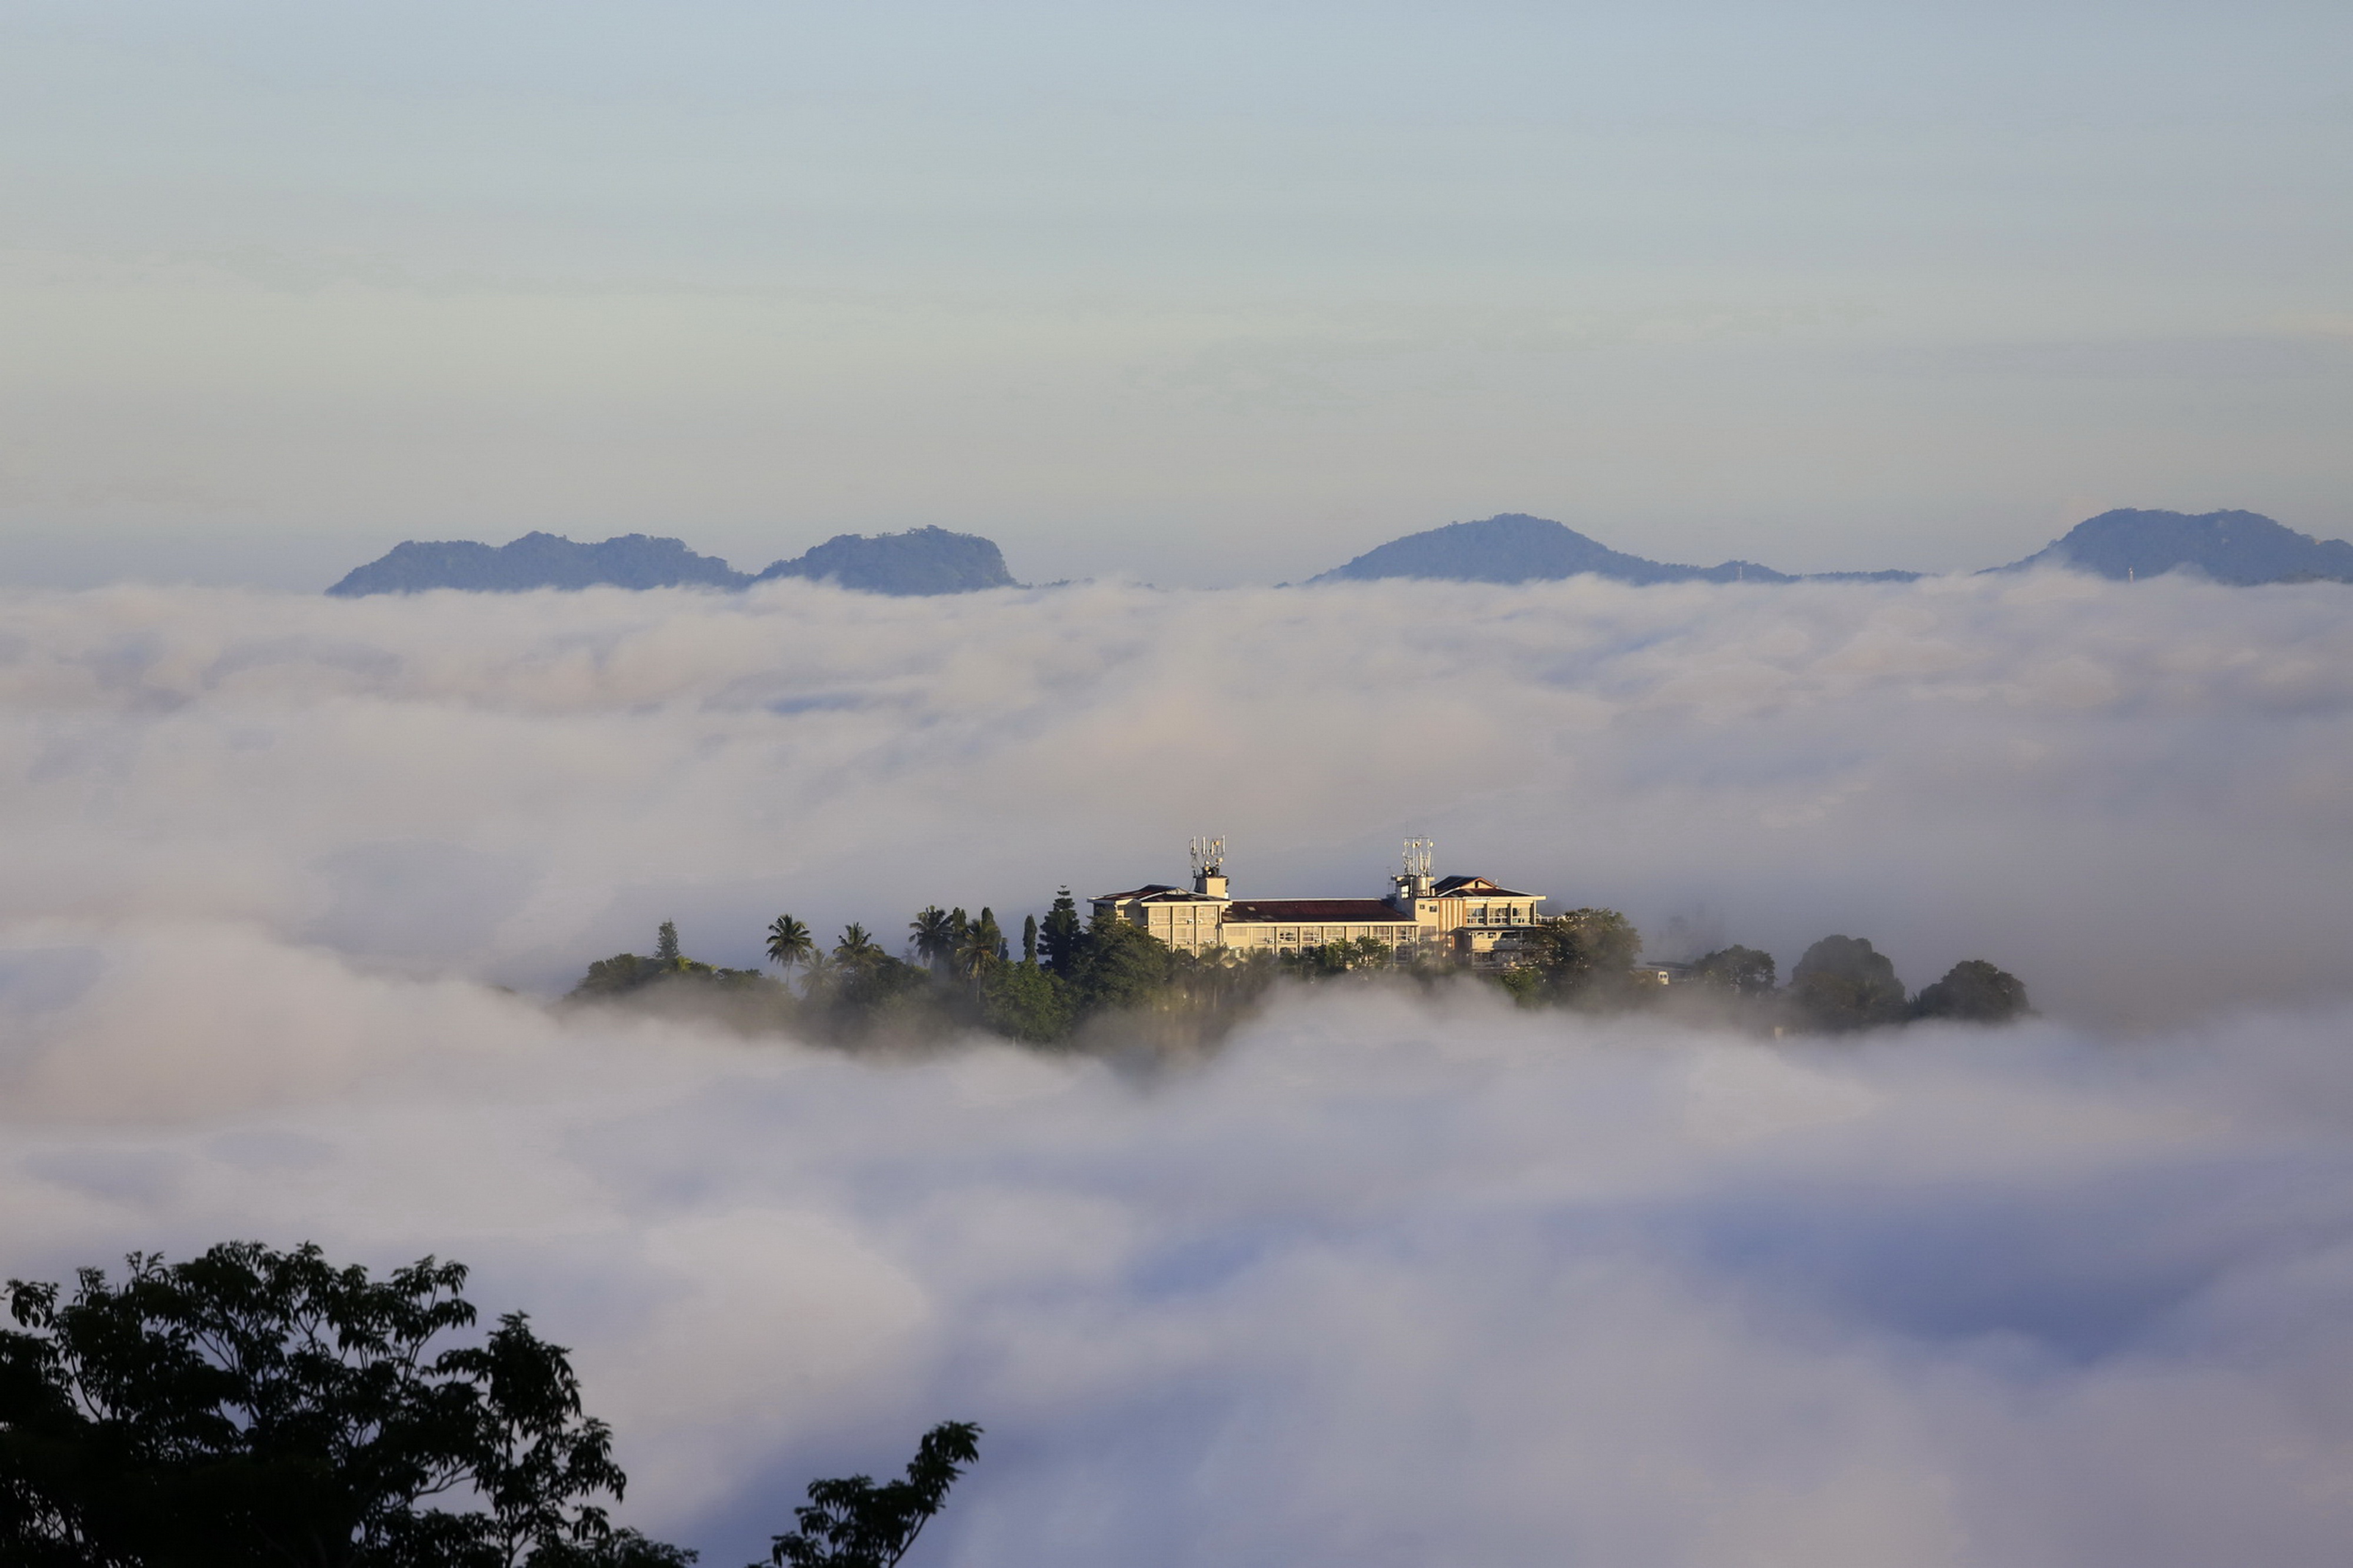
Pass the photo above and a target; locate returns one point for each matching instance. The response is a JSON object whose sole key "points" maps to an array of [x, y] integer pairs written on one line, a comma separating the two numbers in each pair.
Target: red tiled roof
{"points": [[1315, 911]]}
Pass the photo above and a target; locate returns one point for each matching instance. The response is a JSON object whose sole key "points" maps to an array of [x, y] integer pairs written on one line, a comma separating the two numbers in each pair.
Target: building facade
{"points": [[1469, 920]]}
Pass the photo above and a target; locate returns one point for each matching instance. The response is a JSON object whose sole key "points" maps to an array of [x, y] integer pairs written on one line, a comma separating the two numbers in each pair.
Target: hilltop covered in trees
{"points": [[1081, 983]]}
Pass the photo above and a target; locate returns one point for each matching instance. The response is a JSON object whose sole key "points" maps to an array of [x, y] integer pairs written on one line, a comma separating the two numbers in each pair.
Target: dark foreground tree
{"points": [[853, 1523], [1975, 992], [259, 1407], [622, 1549], [1843, 983]]}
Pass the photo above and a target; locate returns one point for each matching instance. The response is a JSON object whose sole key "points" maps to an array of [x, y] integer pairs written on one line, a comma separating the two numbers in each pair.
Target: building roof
{"points": [[1319, 911], [1157, 893], [1466, 887]]}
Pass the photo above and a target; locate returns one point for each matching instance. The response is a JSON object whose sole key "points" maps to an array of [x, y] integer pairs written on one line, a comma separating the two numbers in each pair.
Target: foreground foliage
{"points": [[252, 1405], [256, 1407], [853, 1523]]}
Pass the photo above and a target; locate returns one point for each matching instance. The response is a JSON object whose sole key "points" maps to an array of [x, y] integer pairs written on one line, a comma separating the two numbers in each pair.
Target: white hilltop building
{"points": [[1468, 919]]}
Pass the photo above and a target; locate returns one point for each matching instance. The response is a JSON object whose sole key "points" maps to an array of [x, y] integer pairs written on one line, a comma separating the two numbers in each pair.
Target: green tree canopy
{"points": [[1119, 964], [933, 934], [819, 975], [1843, 984], [1583, 954], [1975, 992], [1024, 1002], [879, 979], [666, 942], [790, 941], [856, 946], [1742, 971], [1059, 936], [981, 945]]}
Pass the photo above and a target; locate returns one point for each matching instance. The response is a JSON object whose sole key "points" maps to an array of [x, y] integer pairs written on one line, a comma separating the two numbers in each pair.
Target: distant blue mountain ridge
{"points": [[921, 561], [1517, 547], [2236, 547]]}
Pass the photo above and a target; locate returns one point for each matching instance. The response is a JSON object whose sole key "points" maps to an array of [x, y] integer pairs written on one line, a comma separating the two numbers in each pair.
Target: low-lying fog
{"points": [[1390, 1279]]}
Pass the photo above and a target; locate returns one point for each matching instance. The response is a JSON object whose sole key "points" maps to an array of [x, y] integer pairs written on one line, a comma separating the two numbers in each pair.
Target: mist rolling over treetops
{"points": [[272, 856]]}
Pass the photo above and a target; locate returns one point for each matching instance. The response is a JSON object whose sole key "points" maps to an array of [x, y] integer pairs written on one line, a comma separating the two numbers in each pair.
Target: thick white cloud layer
{"points": [[1390, 1279]]}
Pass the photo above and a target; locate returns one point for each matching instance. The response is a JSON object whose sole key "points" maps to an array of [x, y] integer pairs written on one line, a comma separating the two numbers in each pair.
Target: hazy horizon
{"points": [[1207, 296]]}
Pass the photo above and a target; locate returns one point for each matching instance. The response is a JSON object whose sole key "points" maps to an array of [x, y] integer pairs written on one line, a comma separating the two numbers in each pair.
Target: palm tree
{"points": [[818, 972], [981, 945], [934, 934], [857, 944], [789, 942]]}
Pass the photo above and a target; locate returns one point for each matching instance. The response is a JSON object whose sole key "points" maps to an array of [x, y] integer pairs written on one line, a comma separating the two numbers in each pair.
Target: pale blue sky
{"points": [[1205, 293]]}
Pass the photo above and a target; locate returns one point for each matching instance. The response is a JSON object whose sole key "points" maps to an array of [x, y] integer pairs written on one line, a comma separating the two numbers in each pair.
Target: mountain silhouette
{"points": [[536, 561], [922, 561], [2238, 547], [1516, 548]]}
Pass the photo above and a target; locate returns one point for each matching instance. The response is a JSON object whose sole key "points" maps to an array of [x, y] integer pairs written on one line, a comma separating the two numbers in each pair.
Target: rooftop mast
{"points": [[1209, 867], [1420, 855]]}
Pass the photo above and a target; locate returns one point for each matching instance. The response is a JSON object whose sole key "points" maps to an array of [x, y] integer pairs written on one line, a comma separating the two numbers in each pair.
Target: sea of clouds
{"points": [[1393, 1277]]}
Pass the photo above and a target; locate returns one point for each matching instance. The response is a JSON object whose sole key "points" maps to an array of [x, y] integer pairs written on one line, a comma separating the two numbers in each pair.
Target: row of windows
{"points": [[1313, 935]]}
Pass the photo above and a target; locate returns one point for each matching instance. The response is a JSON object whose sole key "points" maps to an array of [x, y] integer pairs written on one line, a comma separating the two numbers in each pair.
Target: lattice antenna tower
{"points": [[1420, 855], [1208, 856]]}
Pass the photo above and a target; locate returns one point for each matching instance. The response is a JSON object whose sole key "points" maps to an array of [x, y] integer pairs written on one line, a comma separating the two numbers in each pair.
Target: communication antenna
{"points": [[1208, 856], [1419, 855]]}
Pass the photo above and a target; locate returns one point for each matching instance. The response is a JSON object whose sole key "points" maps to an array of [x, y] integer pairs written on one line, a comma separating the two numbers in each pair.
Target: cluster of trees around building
{"points": [[1074, 981], [251, 1408]]}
